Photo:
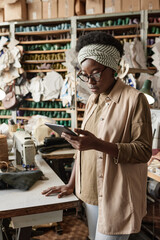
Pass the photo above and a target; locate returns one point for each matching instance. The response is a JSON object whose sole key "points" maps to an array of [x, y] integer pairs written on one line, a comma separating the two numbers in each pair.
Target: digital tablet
{"points": [[60, 128]]}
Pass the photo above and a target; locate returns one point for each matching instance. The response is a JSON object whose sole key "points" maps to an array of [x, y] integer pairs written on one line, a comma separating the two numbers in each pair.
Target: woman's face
{"points": [[106, 81]]}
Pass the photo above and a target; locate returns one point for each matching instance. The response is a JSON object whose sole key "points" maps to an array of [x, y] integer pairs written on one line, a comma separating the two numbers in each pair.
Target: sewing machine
{"points": [[155, 117], [25, 148]]}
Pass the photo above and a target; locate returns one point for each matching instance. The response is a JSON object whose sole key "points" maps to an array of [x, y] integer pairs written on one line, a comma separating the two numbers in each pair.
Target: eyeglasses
{"points": [[95, 76]]}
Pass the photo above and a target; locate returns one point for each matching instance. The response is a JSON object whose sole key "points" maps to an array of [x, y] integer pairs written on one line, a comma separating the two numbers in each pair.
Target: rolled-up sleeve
{"points": [[139, 148]]}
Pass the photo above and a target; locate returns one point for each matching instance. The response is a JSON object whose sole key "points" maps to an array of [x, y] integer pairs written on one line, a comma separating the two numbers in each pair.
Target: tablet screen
{"points": [[60, 128]]}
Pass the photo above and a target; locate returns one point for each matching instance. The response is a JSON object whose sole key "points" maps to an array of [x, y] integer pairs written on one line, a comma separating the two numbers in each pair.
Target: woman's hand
{"points": [[63, 190], [84, 141]]}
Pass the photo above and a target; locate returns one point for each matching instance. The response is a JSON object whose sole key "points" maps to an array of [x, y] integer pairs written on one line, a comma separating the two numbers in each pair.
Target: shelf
{"points": [[152, 68], [154, 176], [56, 119], [4, 116], [126, 36], [80, 109], [149, 46], [43, 61], [41, 32], [153, 35], [80, 119], [4, 34], [45, 41], [138, 70], [48, 51], [121, 27], [45, 109], [46, 70], [154, 24], [31, 100]]}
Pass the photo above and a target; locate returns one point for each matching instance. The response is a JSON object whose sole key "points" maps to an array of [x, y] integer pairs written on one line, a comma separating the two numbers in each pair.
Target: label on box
{"points": [[66, 8], [49, 10], [150, 6], [29, 1], [110, 10], [34, 15], [90, 11]]}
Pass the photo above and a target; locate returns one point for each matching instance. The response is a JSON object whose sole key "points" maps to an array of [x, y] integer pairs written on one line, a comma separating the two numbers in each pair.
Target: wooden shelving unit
{"points": [[45, 41], [45, 70], [61, 39], [43, 61], [48, 51], [41, 32], [121, 27]]}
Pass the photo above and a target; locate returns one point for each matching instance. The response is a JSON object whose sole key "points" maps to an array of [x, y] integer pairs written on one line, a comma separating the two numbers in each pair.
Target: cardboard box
{"points": [[131, 5], [94, 7], [66, 8], [1, 15], [15, 11], [80, 7], [34, 9], [49, 9], [150, 5], [113, 6], [2, 3], [10, 1]]}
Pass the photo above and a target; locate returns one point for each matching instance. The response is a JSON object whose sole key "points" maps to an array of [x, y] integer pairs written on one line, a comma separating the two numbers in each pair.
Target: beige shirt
{"points": [[88, 159], [121, 183]]}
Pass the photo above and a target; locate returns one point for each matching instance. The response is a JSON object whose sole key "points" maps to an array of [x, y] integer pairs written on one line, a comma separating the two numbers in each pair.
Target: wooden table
{"points": [[152, 172], [28, 208], [154, 176], [59, 154], [58, 159]]}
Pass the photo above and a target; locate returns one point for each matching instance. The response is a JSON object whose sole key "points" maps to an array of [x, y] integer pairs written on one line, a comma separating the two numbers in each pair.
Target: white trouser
{"points": [[92, 216]]}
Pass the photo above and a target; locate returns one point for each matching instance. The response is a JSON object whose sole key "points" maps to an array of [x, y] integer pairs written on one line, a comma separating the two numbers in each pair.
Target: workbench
{"points": [[28, 208], [58, 159]]}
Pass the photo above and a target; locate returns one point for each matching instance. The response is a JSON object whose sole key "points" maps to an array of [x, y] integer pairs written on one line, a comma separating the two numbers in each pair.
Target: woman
{"points": [[114, 144]]}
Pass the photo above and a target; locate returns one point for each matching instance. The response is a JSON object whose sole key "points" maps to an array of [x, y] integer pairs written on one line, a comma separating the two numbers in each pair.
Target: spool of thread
{"points": [[3, 148]]}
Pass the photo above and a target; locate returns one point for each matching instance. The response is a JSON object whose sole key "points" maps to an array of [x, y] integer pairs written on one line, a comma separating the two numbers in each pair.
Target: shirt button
{"points": [[100, 195], [101, 119], [100, 176]]}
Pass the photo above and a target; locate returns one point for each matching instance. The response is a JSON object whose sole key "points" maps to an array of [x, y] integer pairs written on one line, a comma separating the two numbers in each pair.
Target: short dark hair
{"points": [[98, 37]]}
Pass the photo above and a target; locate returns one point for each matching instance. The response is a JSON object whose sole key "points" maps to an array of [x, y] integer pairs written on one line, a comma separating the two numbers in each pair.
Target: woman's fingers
{"points": [[63, 193], [51, 190], [61, 190]]}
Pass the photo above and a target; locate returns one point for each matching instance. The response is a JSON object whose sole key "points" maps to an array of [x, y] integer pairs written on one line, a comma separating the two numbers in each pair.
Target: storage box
{"points": [[113, 6], [2, 3], [15, 11], [49, 9], [1, 15], [80, 7], [94, 7], [150, 5], [66, 8], [131, 5], [34, 9]]}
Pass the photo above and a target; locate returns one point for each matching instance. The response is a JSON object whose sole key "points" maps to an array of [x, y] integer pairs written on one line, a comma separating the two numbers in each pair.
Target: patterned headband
{"points": [[106, 55]]}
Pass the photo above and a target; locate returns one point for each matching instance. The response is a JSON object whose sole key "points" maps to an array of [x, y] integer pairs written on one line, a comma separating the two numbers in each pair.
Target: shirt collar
{"points": [[115, 93]]}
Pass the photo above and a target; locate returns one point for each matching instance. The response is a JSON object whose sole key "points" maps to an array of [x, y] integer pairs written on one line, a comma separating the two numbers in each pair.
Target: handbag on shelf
{"points": [[10, 101]]}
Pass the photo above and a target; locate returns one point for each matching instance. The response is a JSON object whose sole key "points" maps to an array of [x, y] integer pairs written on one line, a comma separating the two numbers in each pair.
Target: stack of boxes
{"points": [[14, 10]]}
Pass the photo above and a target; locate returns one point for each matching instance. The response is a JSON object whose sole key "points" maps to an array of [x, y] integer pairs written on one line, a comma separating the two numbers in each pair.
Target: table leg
{"points": [[1, 236], [24, 233]]}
